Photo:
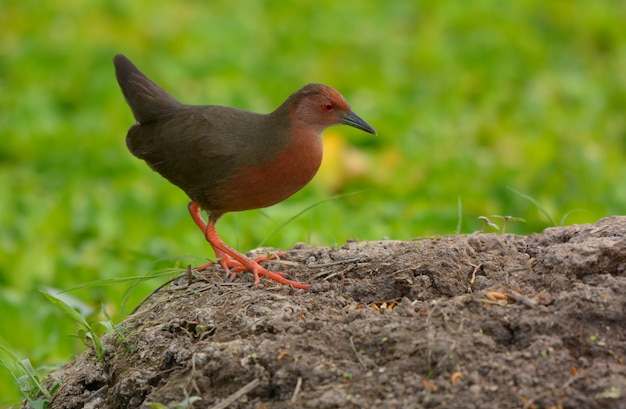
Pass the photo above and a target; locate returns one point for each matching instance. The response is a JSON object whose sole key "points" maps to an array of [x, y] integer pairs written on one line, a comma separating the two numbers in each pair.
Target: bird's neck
{"points": [[277, 178], [295, 166]]}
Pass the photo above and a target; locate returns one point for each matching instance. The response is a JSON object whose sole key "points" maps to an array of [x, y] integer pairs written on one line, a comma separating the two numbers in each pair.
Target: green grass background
{"points": [[468, 98]]}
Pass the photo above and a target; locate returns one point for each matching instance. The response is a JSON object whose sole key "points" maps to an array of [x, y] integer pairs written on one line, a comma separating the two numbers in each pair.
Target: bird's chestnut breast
{"points": [[273, 181]]}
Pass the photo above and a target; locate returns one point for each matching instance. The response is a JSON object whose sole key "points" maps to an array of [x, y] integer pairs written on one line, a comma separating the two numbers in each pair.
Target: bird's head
{"points": [[321, 106]]}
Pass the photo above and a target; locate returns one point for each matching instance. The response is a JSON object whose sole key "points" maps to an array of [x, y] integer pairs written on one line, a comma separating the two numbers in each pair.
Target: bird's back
{"points": [[199, 148]]}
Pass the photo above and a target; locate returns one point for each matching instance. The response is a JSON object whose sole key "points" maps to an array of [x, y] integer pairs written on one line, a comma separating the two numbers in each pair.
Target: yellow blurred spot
{"points": [[342, 163], [429, 384], [455, 377]]}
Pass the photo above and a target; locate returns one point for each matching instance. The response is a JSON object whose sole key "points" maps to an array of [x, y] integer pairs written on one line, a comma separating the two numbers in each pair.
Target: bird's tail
{"points": [[146, 99]]}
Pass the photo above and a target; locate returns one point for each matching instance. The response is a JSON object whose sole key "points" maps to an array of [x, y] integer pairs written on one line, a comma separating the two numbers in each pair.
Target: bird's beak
{"points": [[354, 120]]}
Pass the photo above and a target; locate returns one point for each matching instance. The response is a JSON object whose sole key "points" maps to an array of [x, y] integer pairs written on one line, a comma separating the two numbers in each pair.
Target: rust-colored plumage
{"points": [[227, 159]]}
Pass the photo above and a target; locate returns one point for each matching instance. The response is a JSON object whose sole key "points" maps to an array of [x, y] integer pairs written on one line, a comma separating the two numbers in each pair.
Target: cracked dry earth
{"points": [[467, 321]]}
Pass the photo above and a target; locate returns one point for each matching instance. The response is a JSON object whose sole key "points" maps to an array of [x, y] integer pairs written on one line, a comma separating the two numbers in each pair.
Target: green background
{"points": [[468, 98]]}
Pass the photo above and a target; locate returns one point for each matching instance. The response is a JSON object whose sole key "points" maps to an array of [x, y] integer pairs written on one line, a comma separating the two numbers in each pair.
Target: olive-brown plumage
{"points": [[227, 159]]}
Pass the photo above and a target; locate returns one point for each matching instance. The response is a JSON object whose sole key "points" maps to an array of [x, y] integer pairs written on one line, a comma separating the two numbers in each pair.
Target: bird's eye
{"points": [[328, 106]]}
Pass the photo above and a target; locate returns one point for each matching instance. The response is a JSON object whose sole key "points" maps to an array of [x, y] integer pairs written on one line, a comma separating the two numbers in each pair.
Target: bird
{"points": [[228, 159]]}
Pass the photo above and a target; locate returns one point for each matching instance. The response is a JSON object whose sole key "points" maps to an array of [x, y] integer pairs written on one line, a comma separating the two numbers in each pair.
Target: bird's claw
{"points": [[235, 267]]}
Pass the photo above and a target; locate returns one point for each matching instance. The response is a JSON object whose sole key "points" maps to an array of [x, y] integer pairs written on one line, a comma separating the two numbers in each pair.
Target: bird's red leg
{"points": [[230, 257], [225, 260]]}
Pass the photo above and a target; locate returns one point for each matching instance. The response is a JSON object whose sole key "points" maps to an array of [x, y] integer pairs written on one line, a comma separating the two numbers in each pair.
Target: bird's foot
{"points": [[233, 261], [235, 266]]}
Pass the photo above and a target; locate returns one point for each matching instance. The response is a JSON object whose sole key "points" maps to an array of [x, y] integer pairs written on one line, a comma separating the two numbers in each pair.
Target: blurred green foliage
{"points": [[469, 98]]}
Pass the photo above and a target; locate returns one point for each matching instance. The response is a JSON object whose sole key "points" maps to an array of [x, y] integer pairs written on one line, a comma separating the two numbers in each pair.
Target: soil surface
{"points": [[467, 321]]}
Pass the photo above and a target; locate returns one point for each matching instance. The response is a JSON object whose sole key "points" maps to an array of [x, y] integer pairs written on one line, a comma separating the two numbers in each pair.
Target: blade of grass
{"points": [[536, 203], [565, 216], [77, 317], [67, 310], [106, 281], [28, 370], [459, 215]]}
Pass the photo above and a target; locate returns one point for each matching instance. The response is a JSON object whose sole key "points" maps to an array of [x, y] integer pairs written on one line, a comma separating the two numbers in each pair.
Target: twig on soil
{"points": [[476, 268], [570, 381], [233, 397], [189, 275], [190, 279], [530, 303], [297, 390], [335, 263], [284, 262], [331, 275], [211, 286], [356, 353], [191, 375]]}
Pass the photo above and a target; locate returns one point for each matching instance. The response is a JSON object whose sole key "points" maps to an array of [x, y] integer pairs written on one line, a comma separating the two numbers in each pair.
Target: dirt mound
{"points": [[469, 321]]}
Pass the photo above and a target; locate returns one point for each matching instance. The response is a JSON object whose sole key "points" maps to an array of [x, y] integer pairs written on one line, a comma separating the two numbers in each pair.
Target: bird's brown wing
{"points": [[200, 148]]}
